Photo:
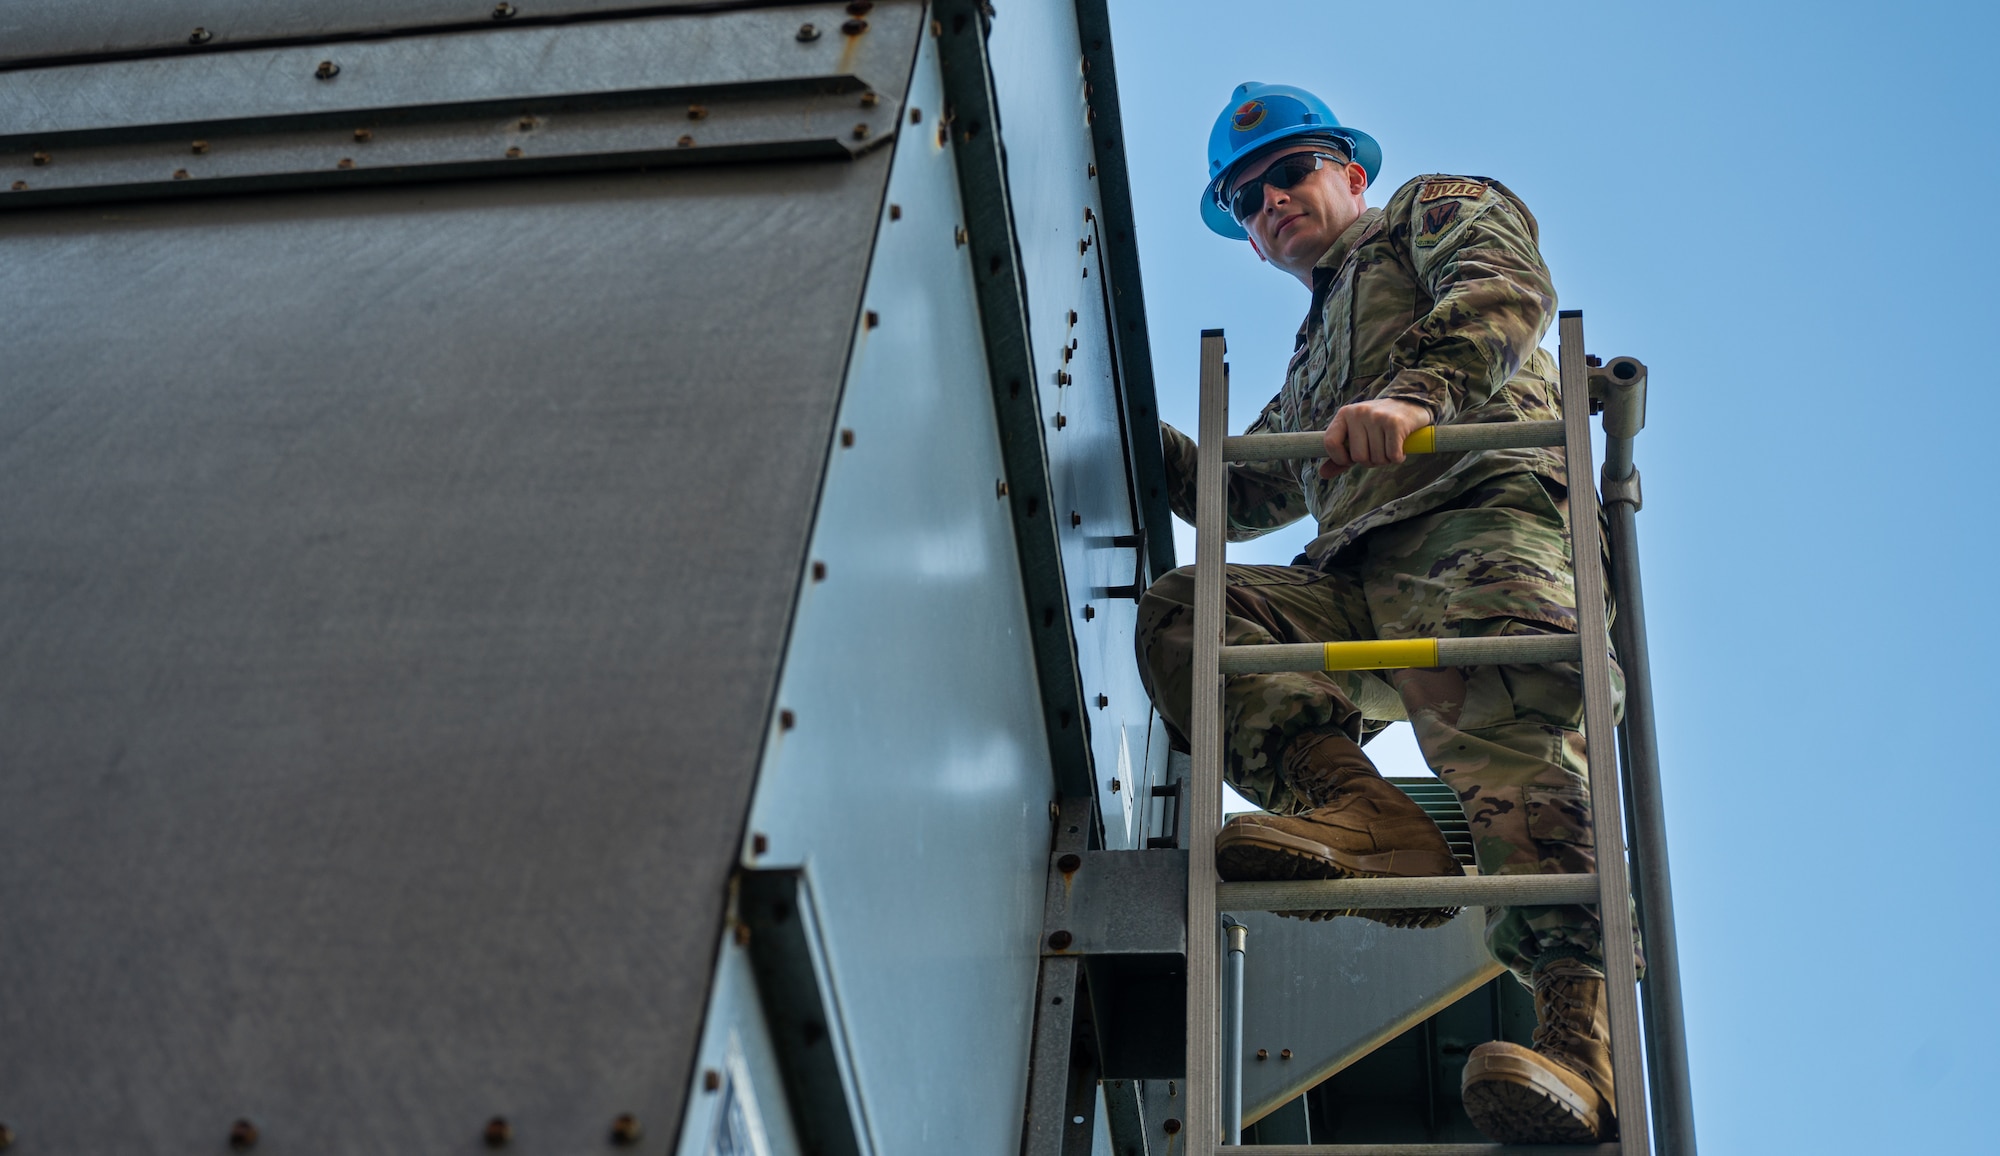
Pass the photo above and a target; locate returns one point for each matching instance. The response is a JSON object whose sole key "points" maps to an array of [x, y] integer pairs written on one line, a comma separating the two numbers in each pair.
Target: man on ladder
{"points": [[1425, 312]]}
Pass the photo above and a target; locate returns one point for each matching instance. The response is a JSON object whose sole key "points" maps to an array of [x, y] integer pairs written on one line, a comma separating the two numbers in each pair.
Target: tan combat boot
{"points": [[1360, 827], [1560, 1092]]}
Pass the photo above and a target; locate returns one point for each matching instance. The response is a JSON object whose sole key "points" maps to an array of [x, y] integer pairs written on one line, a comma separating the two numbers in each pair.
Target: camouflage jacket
{"points": [[1440, 299]]}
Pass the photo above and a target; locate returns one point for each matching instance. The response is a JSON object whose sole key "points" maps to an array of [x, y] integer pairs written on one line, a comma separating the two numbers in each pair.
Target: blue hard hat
{"points": [[1259, 116]]}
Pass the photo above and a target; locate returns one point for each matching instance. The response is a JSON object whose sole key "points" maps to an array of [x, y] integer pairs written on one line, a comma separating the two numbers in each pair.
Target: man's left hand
{"points": [[1370, 433]]}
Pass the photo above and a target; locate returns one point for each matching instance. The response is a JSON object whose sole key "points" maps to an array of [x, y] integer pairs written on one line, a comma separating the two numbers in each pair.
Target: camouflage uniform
{"points": [[1439, 299]]}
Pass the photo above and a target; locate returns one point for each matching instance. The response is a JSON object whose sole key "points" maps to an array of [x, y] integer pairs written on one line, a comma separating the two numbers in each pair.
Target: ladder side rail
{"points": [[1666, 1030], [1202, 1125], [1614, 909]]}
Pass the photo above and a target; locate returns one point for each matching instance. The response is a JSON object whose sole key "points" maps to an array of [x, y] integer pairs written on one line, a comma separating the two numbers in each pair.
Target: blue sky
{"points": [[1780, 208]]}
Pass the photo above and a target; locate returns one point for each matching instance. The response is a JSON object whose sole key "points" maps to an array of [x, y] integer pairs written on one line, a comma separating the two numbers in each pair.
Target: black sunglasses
{"points": [[1284, 172]]}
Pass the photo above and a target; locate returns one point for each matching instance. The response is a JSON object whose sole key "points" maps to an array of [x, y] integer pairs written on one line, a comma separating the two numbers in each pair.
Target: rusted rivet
{"points": [[514, 153], [895, 212], [937, 28], [1286, 1054], [1062, 377], [742, 933], [1103, 700], [503, 12], [1075, 519], [807, 34], [872, 318], [498, 1132], [916, 116], [180, 174], [526, 124], [869, 99], [1072, 317], [711, 1080], [1061, 421], [685, 142], [999, 488], [860, 132], [697, 111], [1093, 170], [327, 70], [200, 36], [6, 1137], [42, 159], [345, 163], [20, 186], [625, 1130], [364, 135], [1089, 612], [944, 137], [854, 27], [787, 720], [242, 1135], [1172, 1126], [1068, 863], [1262, 1054], [819, 571], [199, 147], [958, 236], [1115, 785], [847, 438], [1060, 940]]}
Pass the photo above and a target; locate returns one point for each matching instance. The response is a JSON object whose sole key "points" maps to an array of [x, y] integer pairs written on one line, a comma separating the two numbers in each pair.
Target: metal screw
{"points": [[503, 12], [242, 1135], [1103, 700], [180, 174], [200, 36], [1115, 785], [527, 124], [1262, 1054], [819, 571], [1172, 1126], [860, 132], [1285, 1054], [345, 163], [1060, 940], [364, 135], [742, 933], [958, 236], [787, 720], [685, 142], [1072, 317], [872, 318], [847, 438], [625, 1130], [697, 111], [1089, 612], [916, 116], [199, 147], [854, 27], [20, 186], [498, 1132], [711, 1080], [999, 488], [1093, 170], [895, 212], [42, 159], [1075, 519], [514, 154], [807, 34], [1062, 377], [327, 70], [869, 99], [1068, 863], [944, 137]]}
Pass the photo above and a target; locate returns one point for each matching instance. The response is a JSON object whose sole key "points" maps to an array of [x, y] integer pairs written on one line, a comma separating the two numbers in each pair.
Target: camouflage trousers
{"points": [[1508, 739]]}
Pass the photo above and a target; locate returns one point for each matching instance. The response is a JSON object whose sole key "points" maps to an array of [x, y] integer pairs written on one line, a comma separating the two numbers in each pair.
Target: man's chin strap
{"points": [[1259, 252]]}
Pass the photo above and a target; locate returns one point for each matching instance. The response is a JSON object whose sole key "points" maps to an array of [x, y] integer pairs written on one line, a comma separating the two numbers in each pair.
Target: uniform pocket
{"points": [[1559, 815]]}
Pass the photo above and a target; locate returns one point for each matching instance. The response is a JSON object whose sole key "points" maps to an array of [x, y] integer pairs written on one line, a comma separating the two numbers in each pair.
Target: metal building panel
{"points": [[735, 1093], [908, 770], [39, 29], [1329, 993], [394, 590]]}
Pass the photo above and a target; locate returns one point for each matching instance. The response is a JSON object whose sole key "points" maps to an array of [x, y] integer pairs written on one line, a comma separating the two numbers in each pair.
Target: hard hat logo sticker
{"points": [[1249, 115]]}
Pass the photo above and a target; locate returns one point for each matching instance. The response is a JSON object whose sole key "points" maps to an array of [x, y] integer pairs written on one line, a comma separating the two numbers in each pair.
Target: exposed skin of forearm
{"points": [[1370, 433]]}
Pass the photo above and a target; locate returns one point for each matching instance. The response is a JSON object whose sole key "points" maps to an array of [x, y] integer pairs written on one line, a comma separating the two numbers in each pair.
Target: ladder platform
{"points": [[1374, 894], [1396, 653], [1439, 1149], [1432, 439]]}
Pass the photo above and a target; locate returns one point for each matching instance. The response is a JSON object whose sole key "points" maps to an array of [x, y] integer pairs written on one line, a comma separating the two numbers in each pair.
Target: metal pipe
{"points": [[1439, 1150], [1393, 654], [1425, 891], [1666, 1031], [1432, 439], [1232, 1033]]}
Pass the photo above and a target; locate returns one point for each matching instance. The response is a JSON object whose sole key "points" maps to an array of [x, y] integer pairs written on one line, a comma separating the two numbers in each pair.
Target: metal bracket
{"points": [[1137, 543], [1625, 489], [1618, 391]]}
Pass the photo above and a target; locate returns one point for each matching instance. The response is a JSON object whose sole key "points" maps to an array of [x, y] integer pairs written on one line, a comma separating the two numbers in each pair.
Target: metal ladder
{"points": [[1622, 385]]}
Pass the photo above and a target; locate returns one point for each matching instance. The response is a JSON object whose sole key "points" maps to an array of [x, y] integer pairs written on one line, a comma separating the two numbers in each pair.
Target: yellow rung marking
{"points": [[1420, 441], [1382, 654]]}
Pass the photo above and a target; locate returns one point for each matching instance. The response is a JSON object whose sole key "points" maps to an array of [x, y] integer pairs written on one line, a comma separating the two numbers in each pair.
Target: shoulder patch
{"points": [[1439, 190], [1437, 219]]}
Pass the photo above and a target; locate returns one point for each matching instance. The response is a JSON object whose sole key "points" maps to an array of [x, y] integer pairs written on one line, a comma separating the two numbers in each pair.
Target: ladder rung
{"points": [[1393, 653], [1437, 1149], [1377, 894], [1432, 439]]}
